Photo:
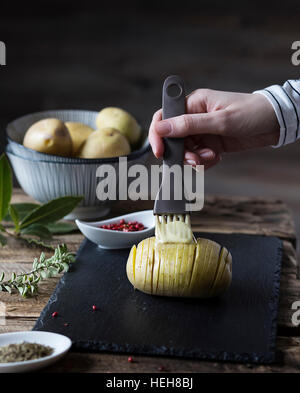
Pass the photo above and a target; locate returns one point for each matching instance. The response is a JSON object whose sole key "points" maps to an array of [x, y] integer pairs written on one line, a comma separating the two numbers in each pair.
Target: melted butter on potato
{"points": [[202, 269], [49, 136]]}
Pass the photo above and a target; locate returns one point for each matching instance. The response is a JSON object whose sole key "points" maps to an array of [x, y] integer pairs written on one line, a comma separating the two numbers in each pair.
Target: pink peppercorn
{"points": [[123, 226]]}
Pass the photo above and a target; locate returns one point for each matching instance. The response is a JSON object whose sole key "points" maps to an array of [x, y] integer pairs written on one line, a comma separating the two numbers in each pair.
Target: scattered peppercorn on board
{"points": [[239, 326]]}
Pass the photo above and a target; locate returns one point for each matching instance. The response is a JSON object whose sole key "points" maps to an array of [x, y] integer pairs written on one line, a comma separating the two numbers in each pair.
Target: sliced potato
{"points": [[202, 269]]}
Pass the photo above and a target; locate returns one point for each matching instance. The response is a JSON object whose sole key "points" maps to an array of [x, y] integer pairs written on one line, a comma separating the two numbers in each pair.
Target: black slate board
{"points": [[239, 326]]}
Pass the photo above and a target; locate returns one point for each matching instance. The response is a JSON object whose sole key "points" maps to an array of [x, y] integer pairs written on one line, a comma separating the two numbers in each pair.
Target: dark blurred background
{"points": [[90, 55]]}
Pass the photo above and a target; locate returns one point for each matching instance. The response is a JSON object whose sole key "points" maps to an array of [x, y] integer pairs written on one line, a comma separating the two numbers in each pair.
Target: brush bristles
{"points": [[173, 228], [167, 218]]}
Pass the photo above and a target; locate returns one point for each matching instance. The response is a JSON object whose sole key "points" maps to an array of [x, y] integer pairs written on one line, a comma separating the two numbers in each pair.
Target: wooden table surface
{"points": [[226, 215]]}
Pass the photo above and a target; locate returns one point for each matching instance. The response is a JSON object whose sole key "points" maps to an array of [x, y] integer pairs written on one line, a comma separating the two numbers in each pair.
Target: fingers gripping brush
{"points": [[172, 223]]}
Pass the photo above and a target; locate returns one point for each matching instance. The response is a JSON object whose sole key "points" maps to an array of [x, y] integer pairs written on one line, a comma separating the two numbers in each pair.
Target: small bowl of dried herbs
{"points": [[28, 351]]}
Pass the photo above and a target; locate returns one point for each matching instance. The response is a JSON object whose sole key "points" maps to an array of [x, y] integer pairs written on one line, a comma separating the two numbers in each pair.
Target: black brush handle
{"points": [[173, 104]]}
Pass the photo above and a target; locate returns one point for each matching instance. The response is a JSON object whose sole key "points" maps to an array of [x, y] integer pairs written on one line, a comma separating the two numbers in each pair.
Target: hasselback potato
{"points": [[202, 269]]}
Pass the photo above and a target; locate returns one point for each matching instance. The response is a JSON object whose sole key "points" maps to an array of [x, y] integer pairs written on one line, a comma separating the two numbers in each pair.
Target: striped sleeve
{"points": [[286, 103]]}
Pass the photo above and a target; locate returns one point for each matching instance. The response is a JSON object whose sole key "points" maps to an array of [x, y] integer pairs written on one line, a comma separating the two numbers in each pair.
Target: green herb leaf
{"points": [[3, 240], [8, 288], [23, 210], [43, 274], [60, 227], [51, 211], [2, 229], [24, 292], [35, 263], [5, 185], [66, 267], [52, 271], [27, 283], [37, 230], [15, 217]]}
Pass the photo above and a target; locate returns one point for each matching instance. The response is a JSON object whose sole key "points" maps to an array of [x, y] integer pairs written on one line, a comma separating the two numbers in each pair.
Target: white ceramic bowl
{"points": [[45, 176], [109, 239], [60, 344]]}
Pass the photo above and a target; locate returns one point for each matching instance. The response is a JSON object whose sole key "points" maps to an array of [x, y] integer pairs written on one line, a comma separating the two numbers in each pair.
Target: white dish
{"points": [[109, 239], [60, 344]]}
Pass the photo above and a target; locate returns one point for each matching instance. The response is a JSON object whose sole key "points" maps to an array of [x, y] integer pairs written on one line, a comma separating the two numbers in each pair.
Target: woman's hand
{"points": [[217, 122]]}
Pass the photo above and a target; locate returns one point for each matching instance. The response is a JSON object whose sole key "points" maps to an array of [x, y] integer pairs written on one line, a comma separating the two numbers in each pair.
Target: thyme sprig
{"points": [[27, 283]]}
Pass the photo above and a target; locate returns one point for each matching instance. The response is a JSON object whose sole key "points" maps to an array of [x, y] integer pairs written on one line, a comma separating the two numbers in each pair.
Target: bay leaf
{"points": [[51, 211], [37, 230]]}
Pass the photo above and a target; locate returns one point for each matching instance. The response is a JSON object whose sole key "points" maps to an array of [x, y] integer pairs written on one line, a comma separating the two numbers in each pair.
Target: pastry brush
{"points": [[172, 221]]}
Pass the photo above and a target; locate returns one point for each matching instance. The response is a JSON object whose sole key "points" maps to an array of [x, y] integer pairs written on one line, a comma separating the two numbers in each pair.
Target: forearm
{"points": [[286, 103]]}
